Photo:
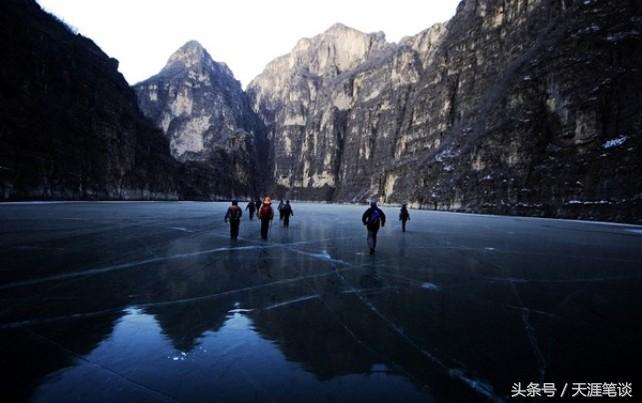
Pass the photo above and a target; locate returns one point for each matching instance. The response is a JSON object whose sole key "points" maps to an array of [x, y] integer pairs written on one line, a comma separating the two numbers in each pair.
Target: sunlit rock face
{"points": [[519, 107], [70, 127], [207, 118], [304, 99]]}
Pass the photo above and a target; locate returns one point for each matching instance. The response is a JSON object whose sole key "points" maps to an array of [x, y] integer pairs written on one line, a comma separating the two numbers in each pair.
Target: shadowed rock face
{"points": [[511, 107], [540, 96], [70, 127], [207, 118]]}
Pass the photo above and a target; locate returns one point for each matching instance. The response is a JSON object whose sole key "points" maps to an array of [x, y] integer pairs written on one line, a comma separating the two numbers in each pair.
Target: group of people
{"points": [[373, 218], [264, 213]]}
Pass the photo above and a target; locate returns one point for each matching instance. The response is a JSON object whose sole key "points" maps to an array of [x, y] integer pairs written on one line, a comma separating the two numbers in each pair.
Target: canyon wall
{"points": [[511, 107], [70, 125]]}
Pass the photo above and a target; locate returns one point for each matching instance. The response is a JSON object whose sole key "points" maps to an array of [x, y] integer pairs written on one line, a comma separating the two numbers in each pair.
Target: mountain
{"points": [[529, 108], [71, 128], [208, 121], [511, 107], [302, 100]]}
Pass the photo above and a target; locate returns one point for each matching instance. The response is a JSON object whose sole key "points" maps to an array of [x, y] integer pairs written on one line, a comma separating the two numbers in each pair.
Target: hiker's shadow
{"points": [[233, 266], [264, 263], [370, 281], [285, 237]]}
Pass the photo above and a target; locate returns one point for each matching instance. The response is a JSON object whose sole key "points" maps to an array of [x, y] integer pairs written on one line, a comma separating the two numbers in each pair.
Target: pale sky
{"points": [[245, 34]]}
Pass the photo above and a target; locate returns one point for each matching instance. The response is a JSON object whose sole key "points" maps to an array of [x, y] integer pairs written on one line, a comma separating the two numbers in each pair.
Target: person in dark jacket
{"points": [[234, 214], [286, 213], [265, 214], [280, 208], [373, 219], [404, 216], [250, 206]]}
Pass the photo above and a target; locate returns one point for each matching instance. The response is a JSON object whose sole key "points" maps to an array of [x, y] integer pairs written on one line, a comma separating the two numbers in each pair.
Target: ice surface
{"points": [[153, 302]]}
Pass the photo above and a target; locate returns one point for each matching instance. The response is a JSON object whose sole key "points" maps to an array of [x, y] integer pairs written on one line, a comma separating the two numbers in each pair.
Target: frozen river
{"points": [[153, 302]]}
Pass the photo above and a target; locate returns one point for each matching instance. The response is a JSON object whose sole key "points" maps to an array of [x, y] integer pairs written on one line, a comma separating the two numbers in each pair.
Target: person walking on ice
{"points": [[373, 219], [234, 214], [286, 213], [265, 214], [250, 206], [404, 216], [280, 208]]}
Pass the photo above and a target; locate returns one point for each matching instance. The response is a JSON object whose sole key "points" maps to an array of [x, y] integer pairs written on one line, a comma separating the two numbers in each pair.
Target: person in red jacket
{"points": [[265, 214]]}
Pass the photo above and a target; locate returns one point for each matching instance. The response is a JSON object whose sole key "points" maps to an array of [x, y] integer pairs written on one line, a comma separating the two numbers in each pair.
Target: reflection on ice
{"points": [[181, 356], [232, 363]]}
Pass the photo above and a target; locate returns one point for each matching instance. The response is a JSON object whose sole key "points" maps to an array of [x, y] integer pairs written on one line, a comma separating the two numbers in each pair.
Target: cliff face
{"points": [[211, 128], [518, 107], [540, 114], [528, 107], [303, 102], [70, 127]]}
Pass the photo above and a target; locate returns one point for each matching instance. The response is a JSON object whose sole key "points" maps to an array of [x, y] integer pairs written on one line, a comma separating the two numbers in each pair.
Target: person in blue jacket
{"points": [[373, 219]]}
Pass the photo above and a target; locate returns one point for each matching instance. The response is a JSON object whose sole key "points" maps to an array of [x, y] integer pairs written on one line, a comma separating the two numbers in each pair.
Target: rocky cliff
{"points": [[70, 126], [304, 103], [207, 119], [528, 107], [515, 107]]}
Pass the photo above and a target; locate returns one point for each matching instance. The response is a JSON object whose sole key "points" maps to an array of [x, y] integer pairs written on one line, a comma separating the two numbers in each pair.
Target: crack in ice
{"points": [[125, 266], [292, 301], [476, 385]]}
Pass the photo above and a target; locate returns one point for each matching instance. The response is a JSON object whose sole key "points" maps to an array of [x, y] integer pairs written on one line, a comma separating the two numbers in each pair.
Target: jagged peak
{"points": [[340, 27], [339, 31], [337, 49], [340, 34], [192, 55], [192, 44], [189, 54]]}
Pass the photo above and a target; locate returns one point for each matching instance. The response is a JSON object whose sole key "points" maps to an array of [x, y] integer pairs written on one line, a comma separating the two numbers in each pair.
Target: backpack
{"points": [[374, 219], [235, 213], [265, 211]]}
